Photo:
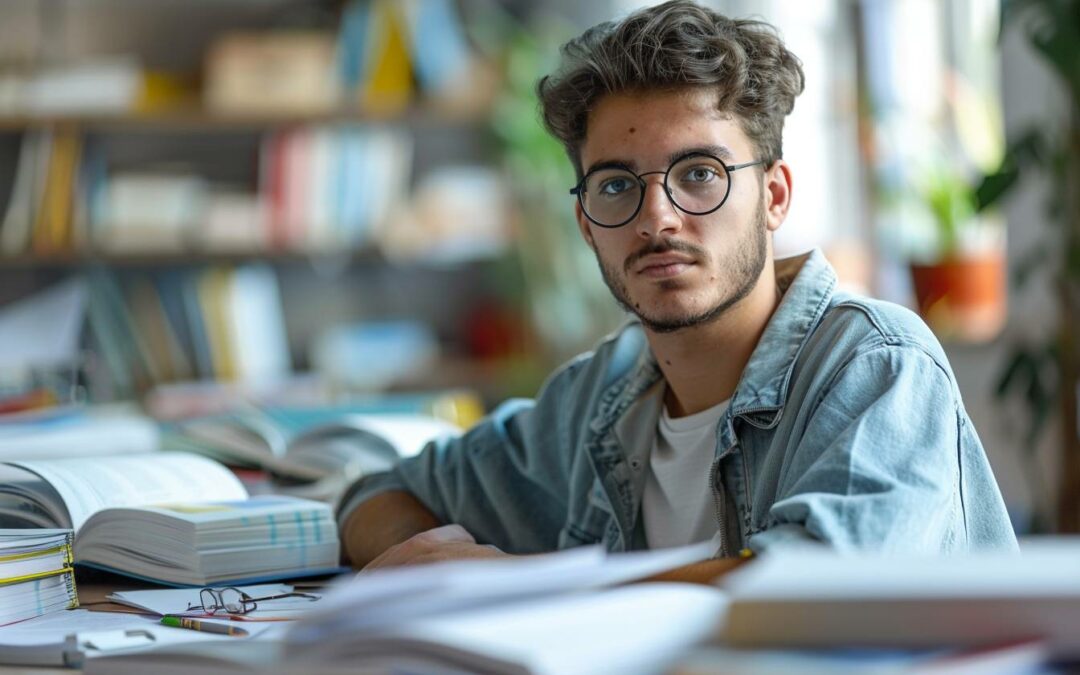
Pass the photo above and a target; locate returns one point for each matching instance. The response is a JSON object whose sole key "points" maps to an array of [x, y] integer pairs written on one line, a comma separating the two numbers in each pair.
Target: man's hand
{"points": [[449, 542]]}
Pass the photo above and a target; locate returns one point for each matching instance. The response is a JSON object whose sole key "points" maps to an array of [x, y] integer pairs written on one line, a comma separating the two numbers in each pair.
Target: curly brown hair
{"points": [[673, 46]]}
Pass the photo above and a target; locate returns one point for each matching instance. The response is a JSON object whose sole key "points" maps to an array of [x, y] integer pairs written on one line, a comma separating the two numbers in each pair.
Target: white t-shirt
{"points": [[678, 506]]}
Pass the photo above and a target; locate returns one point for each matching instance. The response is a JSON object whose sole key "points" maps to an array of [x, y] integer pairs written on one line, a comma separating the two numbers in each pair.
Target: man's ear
{"points": [[583, 225], [777, 194]]}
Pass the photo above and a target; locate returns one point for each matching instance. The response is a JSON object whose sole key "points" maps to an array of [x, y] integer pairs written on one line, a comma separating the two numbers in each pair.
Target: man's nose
{"points": [[658, 214]]}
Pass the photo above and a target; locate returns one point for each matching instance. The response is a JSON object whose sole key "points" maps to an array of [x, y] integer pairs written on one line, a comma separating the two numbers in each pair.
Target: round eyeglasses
{"points": [[232, 600], [697, 184]]}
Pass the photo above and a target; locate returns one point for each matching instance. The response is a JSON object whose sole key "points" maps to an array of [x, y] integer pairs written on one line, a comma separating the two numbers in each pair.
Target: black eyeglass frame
{"points": [[247, 603], [579, 189]]}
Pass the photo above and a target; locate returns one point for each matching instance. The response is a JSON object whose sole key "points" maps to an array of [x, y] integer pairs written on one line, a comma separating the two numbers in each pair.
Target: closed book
{"points": [[823, 599]]}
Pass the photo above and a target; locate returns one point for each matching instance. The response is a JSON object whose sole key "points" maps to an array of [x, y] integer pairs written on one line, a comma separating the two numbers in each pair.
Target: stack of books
{"points": [[35, 574]]}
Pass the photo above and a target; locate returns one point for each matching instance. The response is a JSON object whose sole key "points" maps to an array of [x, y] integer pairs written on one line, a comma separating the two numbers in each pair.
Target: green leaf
{"points": [[994, 186], [1021, 365]]}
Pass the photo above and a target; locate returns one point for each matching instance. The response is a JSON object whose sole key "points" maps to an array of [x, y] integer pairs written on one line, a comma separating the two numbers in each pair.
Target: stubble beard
{"points": [[746, 263]]}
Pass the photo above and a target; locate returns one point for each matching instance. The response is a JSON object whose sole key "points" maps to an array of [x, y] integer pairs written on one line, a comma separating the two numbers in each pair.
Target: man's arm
{"points": [[394, 528], [383, 521]]}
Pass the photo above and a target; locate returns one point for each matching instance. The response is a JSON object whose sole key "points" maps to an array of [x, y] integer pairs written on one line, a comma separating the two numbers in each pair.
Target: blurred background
{"points": [[212, 203]]}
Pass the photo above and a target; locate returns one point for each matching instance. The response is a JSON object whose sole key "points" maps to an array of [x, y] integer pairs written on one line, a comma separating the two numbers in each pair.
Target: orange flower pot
{"points": [[963, 299]]}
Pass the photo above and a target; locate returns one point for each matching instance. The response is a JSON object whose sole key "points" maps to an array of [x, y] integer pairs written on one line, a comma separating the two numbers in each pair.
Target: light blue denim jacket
{"points": [[846, 427]]}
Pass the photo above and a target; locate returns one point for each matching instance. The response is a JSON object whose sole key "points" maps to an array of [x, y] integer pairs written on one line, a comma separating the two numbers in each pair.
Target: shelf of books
{"points": [[288, 157], [307, 188], [196, 118], [284, 141]]}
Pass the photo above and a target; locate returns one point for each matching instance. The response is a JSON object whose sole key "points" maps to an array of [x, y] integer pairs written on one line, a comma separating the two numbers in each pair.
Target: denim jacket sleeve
{"points": [[505, 480], [882, 463]]}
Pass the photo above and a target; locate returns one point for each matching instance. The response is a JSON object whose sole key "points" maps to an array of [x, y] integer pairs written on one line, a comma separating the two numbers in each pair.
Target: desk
{"points": [[93, 589]]}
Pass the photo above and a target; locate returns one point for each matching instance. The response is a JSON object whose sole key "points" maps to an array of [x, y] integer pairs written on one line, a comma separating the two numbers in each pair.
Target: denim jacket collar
{"points": [[807, 283]]}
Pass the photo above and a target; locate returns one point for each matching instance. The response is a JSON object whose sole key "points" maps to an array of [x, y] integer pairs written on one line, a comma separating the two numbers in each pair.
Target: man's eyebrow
{"points": [[721, 151], [613, 164]]}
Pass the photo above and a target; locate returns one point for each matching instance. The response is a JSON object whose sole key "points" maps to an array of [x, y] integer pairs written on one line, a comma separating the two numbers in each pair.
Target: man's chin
{"points": [[674, 323]]}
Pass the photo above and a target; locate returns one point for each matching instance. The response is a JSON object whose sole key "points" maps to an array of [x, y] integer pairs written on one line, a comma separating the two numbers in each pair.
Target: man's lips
{"points": [[660, 265]]}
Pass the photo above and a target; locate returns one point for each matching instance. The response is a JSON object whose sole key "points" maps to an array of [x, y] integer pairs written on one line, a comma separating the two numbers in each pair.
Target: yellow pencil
{"points": [[204, 626]]}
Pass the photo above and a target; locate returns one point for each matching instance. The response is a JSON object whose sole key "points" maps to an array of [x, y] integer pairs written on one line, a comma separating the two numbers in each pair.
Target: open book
{"points": [[310, 444], [173, 518]]}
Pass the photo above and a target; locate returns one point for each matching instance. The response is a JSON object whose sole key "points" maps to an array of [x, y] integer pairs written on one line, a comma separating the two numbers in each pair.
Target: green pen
{"points": [[204, 626]]}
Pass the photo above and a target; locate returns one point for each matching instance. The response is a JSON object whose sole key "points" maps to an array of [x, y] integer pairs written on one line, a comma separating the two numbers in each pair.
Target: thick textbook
{"points": [[35, 573], [172, 518], [823, 599]]}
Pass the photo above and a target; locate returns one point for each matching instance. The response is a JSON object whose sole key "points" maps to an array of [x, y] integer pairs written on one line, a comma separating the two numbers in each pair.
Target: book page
{"points": [[90, 485]]}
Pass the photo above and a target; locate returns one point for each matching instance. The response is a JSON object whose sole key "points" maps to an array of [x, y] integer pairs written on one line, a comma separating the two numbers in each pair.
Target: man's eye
{"points": [[615, 186], [700, 174]]}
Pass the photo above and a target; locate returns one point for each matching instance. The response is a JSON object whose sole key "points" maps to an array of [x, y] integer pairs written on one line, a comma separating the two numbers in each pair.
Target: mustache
{"points": [[662, 246]]}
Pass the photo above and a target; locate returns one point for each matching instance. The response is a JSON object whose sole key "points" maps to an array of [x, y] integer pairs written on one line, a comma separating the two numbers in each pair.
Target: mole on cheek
{"points": [[633, 130]]}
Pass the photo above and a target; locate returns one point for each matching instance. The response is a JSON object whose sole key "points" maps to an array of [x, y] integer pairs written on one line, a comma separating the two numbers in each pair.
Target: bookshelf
{"points": [[181, 212], [199, 119]]}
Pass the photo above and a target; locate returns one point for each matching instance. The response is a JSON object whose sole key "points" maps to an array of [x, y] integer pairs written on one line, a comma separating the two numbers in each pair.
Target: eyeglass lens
{"points": [[231, 600], [234, 601], [697, 184]]}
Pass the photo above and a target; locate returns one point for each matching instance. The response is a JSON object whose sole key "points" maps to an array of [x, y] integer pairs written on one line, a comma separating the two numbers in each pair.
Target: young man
{"points": [[751, 403]]}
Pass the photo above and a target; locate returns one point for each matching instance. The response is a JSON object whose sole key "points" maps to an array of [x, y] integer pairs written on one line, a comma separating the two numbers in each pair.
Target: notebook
{"points": [[171, 518], [35, 574]]}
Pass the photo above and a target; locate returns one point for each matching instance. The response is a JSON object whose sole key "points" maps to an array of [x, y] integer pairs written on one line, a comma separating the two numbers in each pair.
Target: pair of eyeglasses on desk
{"points": [[232, 600]]}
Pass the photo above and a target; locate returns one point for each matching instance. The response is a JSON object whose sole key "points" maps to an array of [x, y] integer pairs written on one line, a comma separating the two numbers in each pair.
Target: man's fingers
{"points": [[418, 546], [447, 533]]}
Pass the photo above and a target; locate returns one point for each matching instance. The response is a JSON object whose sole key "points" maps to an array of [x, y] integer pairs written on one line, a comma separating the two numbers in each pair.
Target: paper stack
{"points": [[35, 574], [564, 613]]}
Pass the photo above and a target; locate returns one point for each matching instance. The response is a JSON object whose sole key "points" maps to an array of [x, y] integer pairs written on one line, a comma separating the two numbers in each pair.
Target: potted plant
{"points": [[961, 292]]}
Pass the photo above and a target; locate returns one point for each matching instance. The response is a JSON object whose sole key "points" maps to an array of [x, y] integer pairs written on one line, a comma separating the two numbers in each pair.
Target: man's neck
{"points": [[703, 364]]}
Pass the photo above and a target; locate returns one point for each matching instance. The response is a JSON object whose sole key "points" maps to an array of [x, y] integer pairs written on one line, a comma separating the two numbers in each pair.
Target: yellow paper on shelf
{"points": [[52, 231], [388, 87], [213, 285]]}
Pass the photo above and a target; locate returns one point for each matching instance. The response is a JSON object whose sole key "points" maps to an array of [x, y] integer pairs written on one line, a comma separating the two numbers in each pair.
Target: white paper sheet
{"points": [[64, 638], [385, 597], [177, 600]]}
